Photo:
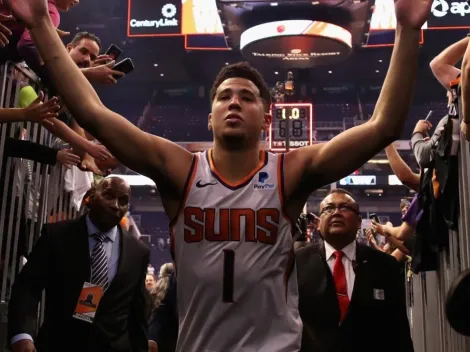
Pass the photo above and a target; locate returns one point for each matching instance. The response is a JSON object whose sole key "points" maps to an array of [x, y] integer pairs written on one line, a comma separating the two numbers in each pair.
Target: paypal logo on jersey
{"points": [[262, 176], [261, 184]]}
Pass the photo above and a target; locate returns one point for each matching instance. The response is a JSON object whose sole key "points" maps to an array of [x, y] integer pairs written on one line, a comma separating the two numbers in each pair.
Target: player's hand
{"points": [[31, 12], [24, 345], [153, 346], [423, 127], [67, 158], [103, 74], [88, 164], [412, 13], [41, 112]]}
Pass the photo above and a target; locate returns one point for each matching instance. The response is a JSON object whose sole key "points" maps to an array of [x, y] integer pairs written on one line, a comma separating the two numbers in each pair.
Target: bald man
{"points": [[72, 260]]}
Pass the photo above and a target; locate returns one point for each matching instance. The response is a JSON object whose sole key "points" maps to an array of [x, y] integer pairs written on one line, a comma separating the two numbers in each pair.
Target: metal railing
{"points": [[430, 330], [31, 193]]}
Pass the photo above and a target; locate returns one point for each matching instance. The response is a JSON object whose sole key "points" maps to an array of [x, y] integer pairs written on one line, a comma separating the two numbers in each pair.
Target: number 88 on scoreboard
{"points": [[300, 129]]}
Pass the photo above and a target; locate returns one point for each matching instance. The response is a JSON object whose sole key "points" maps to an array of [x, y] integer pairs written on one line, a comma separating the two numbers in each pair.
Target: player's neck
{"points": [[234, 165]]}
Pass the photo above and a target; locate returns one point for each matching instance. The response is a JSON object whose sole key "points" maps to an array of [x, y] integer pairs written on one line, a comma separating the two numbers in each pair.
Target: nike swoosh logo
{"points": [[202, 185]]}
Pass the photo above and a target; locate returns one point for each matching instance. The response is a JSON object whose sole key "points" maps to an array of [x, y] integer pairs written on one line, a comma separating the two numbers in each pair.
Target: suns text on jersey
{"points": [[261, 225]]}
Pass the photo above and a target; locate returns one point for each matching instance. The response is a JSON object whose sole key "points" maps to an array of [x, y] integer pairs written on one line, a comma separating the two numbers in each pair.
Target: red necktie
{"points": [[339, 276]]}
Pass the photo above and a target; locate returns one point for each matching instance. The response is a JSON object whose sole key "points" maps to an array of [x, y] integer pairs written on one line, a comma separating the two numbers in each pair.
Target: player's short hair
{"points": [[243, 70], [343, 191], [85, 35]]}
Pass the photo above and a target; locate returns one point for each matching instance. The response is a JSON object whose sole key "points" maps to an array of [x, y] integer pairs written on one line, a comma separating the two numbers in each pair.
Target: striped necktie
{"points": [[99, 262]]}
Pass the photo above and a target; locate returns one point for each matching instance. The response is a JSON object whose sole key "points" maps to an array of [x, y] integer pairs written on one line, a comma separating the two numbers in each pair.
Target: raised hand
{"points": [[39, 111], [31, 12], [67, 158], [412, 13]]}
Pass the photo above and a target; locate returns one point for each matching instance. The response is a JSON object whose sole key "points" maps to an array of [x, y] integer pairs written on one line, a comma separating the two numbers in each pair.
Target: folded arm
{"points": [[328, 162]]}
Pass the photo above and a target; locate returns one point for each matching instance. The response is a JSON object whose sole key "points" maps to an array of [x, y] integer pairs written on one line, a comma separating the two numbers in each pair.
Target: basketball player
{"points": [[231, 207]]}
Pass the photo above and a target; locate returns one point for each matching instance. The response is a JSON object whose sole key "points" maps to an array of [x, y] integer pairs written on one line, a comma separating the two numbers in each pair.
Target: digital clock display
{"points": [[300, 129]]}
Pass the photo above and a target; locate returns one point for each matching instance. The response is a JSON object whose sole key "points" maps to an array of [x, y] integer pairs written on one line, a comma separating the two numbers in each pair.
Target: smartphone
{"points": [[113, 51], [124, 66], [373, 216]]}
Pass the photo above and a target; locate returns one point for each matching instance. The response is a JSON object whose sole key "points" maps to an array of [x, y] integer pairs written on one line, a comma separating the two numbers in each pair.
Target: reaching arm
{"points": [[328, 162], [145, 153], [443, 65], [401, 169], [16, 148]]}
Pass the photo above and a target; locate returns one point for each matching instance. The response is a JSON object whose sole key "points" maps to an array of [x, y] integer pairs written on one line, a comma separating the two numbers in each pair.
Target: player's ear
{"points": [[209, 122], [267, 121]]}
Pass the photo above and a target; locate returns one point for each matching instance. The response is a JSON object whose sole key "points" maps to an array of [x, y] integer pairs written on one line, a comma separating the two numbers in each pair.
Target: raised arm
{"points": [[324, 163], [401, 169], [443, 65], [145, 153]]}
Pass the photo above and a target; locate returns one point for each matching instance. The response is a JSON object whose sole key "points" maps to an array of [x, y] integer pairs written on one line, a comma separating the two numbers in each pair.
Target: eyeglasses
{"points": [[343, 208]]}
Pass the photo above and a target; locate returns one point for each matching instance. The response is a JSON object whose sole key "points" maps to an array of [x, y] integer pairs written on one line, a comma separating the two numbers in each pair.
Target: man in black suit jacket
{"points": [[364, 312], [61, 262]]}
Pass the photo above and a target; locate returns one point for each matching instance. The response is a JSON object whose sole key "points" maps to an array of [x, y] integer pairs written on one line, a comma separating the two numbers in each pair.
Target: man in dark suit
{"points": [[92, 249], [351, 297]]}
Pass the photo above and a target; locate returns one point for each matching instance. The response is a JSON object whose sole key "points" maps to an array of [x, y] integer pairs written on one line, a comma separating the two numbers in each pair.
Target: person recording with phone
{"points": [[346, 288]]}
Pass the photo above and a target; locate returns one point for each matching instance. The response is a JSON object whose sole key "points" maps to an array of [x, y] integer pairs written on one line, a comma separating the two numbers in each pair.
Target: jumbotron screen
{"points": [[300, 129]]}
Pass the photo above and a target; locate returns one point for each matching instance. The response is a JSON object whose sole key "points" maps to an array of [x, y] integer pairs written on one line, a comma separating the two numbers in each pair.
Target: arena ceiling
{"points": [[163, 60]]}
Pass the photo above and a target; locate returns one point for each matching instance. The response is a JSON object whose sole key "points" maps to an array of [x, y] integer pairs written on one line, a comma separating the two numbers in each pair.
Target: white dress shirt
{"points": [[111, 246], [348, 258]]}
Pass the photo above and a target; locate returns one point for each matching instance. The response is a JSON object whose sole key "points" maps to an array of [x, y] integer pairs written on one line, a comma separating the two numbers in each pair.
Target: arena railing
{"points": [[427, 291], [32, 193]]}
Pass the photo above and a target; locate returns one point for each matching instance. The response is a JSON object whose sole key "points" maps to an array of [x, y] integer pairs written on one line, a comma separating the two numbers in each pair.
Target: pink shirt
{"points": [[55, 17]]}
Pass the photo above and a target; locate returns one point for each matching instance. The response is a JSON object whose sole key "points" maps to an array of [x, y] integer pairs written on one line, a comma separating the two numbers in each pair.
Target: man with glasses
{"points": [[351, 296]]}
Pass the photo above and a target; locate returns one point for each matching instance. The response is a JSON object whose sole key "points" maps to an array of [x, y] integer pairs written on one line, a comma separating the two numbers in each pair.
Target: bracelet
{"points": [[417, 132]]}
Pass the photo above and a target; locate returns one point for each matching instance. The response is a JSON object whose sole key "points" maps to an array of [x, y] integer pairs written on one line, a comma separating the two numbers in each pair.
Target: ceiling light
{"points": [[330, 72], [155, 65], [161, 75], [226, 64], [377, 71], [381, 60], [273, 4]]}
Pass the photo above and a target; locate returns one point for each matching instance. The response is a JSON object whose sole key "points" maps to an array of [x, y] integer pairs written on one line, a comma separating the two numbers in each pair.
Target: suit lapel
{"points": [[79, 256], [359, 267]]}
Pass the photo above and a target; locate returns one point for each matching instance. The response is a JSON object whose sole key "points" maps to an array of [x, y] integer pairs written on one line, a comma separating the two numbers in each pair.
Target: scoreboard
{"points": [[300, 129]]}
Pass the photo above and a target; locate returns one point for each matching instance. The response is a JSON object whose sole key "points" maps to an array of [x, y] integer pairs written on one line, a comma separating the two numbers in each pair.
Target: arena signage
{"points": [[147, 19], [446, 13], [296, 43]]}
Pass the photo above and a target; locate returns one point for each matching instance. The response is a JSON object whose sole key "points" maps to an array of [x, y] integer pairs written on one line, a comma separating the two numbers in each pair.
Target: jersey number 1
{"points": [[229, 267]]}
